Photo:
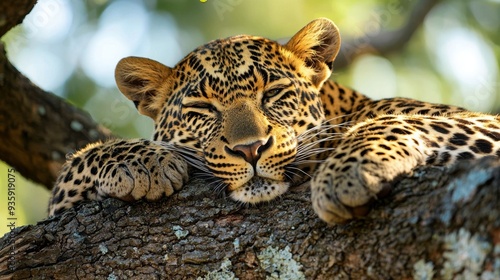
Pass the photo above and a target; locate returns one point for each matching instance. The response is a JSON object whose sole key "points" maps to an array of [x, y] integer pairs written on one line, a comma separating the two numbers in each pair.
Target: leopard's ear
{"points": [[318, 43], [145, 82]]}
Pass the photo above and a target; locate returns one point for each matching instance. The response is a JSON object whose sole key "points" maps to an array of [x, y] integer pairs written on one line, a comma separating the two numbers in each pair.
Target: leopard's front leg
{"points": [[373, 154], [125, 169]]}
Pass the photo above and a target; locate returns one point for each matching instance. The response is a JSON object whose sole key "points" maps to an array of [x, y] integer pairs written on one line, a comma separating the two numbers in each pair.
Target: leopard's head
{"points": [[240, 103]]}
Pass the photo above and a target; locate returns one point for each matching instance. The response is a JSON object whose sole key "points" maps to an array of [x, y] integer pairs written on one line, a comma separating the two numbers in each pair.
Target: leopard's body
{"points": [[256, 117]]}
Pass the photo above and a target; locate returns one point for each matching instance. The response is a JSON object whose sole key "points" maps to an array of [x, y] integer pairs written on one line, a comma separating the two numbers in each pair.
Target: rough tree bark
{"points": [[444, 221], [12, 14], [441, 221]]}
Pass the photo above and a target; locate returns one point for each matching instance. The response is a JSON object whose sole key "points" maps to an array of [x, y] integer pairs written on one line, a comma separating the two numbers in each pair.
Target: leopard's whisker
{"points": [[288, 176], [316, 131], [204, 175], [309, 161], [308, 154], [308, 139], [338, 117], [313, 148], [320, 129], [312, 151], [193, 158], [220, 187], [291, 167], [306, 146]]}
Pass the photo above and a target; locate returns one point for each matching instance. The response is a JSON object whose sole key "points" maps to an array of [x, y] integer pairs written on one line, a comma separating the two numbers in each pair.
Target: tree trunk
{"points": [[13, 13], [441, 221], [37, 128]]}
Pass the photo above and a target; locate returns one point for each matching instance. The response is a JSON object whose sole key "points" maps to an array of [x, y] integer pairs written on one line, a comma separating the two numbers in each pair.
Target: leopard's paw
{"points": [[124, 169], [155, 173], [344, 187]]}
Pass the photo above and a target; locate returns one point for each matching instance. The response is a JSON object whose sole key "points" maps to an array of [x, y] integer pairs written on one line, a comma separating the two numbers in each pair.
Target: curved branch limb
{"points": [[426, 226], [13, 14], [37, 128]]}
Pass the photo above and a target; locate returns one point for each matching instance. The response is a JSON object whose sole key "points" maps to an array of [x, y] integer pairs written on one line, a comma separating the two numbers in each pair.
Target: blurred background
{"points": [[70, 47]]}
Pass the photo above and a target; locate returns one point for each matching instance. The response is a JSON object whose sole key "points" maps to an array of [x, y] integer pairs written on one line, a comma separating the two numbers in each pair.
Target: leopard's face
{"points": [[241, 104]]}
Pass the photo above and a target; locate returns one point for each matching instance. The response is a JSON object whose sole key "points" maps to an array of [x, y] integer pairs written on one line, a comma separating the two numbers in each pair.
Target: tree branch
{"points": [[37, 128], [441, 220], [12, 15]]}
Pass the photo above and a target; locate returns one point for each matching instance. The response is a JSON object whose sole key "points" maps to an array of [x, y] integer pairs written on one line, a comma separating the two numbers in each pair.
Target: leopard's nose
{"points": [[252, 152]]}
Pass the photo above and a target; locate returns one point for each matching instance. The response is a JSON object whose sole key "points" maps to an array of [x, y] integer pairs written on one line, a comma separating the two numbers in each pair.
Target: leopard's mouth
{"points": [[259, 189]]}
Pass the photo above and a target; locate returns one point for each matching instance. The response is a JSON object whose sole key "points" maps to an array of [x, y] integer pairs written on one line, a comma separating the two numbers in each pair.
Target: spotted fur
{"points": [[255, 117]]}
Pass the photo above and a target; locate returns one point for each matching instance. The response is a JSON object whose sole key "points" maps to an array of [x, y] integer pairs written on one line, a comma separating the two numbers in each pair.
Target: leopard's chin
{"points": [[259, 189]]}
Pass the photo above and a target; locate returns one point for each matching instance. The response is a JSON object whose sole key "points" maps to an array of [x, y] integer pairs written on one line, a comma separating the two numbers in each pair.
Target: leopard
{"points": [[255, 117]]}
